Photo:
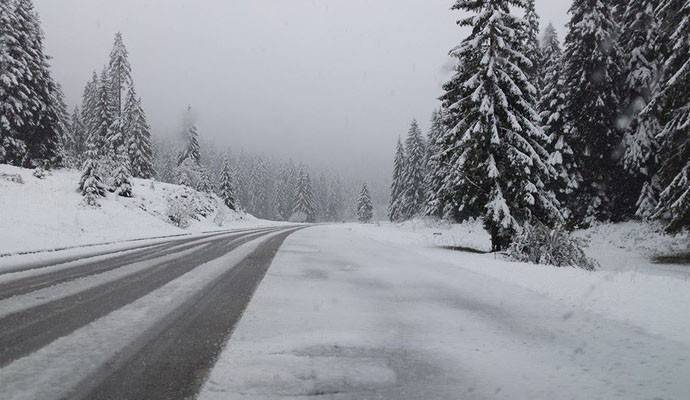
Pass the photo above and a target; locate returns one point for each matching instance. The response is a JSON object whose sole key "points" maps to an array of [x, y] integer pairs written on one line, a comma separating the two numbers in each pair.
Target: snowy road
{"points": [[343, 315], [339, 314], [144, 323]]}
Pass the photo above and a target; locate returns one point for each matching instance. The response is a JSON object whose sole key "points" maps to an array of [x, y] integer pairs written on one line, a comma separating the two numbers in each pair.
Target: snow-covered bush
{"points": [[121, 183], [180, 211], [39, 172], [540, 244]]}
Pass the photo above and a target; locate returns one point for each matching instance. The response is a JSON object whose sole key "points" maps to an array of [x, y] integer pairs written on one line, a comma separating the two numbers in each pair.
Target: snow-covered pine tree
{"points": [[120, 74], [65, 140], [89, 100], [531, 48], [321, 193], [365, 211], [433, 182], [397, 186], [116, 141], [191, 149], [494, 143], [38, 109], [413, 196], [305, 205], [90, 184], [102, 118], [673, 99], [138, 136], [592, 60], [335, 201], [122, 184], [16, 101], [286, 186], [552, 113], [204, 184], [227, 190], [262, 190], [640, 44], [79, 137]]}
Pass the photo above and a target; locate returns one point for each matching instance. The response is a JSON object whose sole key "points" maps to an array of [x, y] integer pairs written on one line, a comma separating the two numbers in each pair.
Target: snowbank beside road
{"points": [[347, 313], [628, 287], [46, 214]]}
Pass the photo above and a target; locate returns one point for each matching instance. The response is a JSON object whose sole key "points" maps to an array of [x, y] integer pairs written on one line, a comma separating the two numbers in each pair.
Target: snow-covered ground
{"points": [[45, 214], [364, 311]]}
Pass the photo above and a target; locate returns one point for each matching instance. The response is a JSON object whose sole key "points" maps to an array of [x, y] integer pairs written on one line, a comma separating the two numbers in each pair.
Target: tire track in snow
{"points": [[85, 268], [59, 259], [172, 360], [25, 332], [67, 367]]}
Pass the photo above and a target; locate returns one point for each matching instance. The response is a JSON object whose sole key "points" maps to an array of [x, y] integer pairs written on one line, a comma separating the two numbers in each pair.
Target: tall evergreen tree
{"points": [[78, 137], [335, 201], [397, 187], [138, 136], [285, 191], [31, 123], [641, 46], [102, 118], [64, 132], [365, 211], [88, 104], [305, 205], [191, 149], [494, 143], [433, 182], [552, 113], [592, 74], [16, 98], [413, 196], [227, 190], [120, 74], [673, 99]]}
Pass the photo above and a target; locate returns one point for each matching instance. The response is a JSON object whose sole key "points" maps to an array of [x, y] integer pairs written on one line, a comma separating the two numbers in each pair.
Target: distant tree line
{"points": [[262, 186]]}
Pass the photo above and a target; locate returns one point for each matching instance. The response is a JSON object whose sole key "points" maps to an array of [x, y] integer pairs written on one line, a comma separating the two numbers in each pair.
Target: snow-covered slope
{"points": [[41, 214]]}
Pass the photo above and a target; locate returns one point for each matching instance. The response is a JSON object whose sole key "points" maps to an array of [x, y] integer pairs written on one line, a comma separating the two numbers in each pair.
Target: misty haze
{"points": [[344, 199]]}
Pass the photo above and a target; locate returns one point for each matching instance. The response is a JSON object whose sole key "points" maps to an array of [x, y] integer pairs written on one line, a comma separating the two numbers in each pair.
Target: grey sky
{"points": [[291, 78]]}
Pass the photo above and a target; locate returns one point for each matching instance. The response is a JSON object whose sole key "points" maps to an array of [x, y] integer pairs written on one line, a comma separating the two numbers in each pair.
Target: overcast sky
{"points": [[317, 80]]}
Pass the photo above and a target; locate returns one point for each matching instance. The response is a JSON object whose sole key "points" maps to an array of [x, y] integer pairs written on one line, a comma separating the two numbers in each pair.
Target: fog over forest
{"points": [[332, 84]]}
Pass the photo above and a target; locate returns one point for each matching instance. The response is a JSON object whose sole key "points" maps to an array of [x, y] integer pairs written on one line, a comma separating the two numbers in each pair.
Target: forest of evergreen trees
{"points": [[532, 133], [109, 139], [528, 132]]}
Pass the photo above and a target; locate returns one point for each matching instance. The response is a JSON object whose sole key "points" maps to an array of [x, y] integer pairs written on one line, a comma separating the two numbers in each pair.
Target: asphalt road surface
{"points": [[45, 303]]}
